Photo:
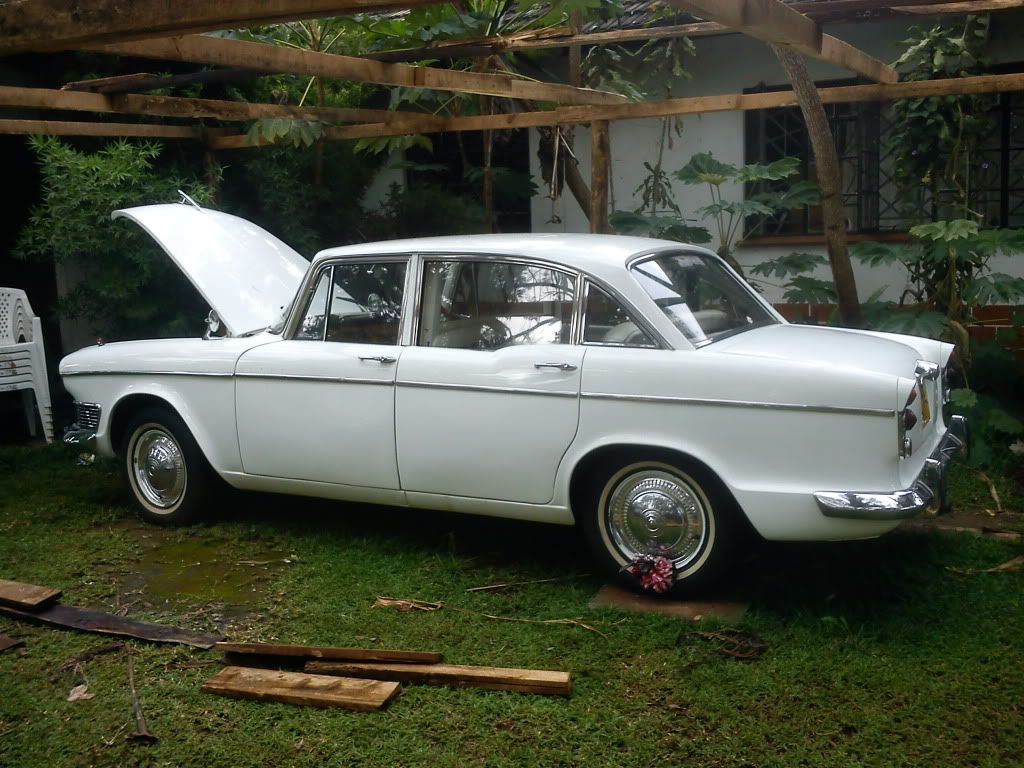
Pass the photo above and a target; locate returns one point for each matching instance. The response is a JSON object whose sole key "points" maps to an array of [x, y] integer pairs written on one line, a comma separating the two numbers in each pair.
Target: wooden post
{"points": [[599, 167]]}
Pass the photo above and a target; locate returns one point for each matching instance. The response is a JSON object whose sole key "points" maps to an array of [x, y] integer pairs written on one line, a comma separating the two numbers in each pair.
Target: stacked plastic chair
{"points": [[23, 359]]}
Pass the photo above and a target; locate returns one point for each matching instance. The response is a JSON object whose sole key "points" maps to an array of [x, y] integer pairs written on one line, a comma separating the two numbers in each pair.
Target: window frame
{"points": [[589, 283], [422, 258], [307, 292]]}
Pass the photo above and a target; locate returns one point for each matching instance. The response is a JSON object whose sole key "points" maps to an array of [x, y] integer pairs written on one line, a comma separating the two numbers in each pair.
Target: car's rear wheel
{"points": [[165, 469], [649, 509]]}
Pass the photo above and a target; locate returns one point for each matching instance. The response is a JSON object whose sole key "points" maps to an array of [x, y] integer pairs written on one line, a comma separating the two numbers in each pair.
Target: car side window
{"points": [[312, 326], [366, 302], [608, 323], [490, 304]]}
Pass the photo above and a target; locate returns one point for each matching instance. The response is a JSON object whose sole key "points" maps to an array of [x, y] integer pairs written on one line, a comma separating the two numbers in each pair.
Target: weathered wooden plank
{"points": [[278, 58], [68, 128], [26, 596], [174, 106], [328, 652], [86, 620], [6, 643], [775, 22], [49, 25], [301, 688], [669, 107], [541, 681]]}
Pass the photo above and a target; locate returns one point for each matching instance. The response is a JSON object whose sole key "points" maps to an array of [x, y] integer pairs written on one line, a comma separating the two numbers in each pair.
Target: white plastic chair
{"points": [[23, 359]]}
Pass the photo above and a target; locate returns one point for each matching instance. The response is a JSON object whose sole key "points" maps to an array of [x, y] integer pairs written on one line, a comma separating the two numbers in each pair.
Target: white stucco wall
{"points": [[730, 64]]}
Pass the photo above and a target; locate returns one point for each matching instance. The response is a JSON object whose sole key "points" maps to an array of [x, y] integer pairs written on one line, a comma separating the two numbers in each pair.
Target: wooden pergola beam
{"points": [[174, 106], [673, 107], [775, 22], [51, 25], [562, 37], [63, 128], [278, 58]]}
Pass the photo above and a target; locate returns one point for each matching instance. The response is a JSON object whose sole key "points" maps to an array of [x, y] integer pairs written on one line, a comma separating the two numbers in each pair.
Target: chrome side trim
{"points": [[715, 403], [146, 373], [927, 494], [484, 388], [329, 379]]}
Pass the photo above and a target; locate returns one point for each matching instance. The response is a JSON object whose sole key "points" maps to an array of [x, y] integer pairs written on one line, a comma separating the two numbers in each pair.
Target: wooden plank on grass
{"points": [[6, 643], [301, 688], [541, 681], [85, 620], [26, 596], [327, 652]]}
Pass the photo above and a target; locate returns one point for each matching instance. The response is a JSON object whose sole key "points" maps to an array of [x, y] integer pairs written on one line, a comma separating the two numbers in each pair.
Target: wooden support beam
{"points": [[52, 25], [174, 106], [823, 10], [278, 58], [141, 82], [599, 175], [62, 128], [775, 22], [672, 107]]}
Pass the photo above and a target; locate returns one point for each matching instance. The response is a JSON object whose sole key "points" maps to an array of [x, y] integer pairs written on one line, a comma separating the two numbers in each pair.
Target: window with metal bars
{"points": [[871, 196]]}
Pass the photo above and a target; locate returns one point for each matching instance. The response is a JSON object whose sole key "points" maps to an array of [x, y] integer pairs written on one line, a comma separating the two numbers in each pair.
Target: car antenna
{"points": [[186, 199]]}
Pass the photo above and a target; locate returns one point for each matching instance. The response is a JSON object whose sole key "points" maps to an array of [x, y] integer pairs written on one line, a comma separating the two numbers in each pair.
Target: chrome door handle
{"points": [[382, 359], [559, 366]]}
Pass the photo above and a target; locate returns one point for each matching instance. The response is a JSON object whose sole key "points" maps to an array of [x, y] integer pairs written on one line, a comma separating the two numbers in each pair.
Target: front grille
{"points": [[87, 415]]}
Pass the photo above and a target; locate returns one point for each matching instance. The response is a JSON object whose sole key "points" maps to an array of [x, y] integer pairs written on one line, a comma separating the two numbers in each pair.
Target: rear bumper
{"points": [[927, 494]]}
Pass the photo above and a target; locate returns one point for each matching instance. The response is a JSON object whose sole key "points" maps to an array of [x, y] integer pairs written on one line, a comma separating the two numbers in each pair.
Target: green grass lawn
{"points": [[877, 654]]}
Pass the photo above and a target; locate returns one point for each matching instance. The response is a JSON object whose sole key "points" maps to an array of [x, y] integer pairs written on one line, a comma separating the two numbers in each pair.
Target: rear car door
{"points": [[487, 400]]}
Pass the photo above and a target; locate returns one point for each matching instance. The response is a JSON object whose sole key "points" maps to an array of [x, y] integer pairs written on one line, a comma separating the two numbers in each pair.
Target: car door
{"points": [[488, 393], [320, 405]]}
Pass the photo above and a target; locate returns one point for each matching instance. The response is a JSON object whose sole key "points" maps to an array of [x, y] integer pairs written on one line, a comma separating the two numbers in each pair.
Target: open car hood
{"points": [[245, 273]]}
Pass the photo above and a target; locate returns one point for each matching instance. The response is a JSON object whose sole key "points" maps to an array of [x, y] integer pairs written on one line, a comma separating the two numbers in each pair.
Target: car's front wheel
{"points": [[648, 512], [165, 468]]}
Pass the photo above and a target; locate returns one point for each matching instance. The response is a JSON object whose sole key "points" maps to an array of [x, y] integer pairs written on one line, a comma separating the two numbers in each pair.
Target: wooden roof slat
{"points": [[176, 106], [51, 25], [277, 58], [775, 22], [65, 128], [674, 107]]}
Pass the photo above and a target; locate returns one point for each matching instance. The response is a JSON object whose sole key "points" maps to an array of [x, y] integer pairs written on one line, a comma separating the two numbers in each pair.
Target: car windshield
{"points": [[700, 296]]}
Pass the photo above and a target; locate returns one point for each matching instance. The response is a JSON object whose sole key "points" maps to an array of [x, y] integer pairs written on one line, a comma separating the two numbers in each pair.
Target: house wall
{"points": [[730, 64]]}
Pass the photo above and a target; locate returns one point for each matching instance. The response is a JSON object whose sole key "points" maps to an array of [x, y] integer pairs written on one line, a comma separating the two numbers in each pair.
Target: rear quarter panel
{"points": [[774, 431]]}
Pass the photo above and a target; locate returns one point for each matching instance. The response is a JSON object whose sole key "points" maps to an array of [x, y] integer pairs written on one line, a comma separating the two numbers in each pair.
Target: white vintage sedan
{"points": [[637, 388]]}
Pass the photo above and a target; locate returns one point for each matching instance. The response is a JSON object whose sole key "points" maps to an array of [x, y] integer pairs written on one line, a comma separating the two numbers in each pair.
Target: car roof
{"points": [[596, 254]]}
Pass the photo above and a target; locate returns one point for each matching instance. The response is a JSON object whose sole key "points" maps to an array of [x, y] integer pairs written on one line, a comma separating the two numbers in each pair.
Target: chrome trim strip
{"points": [[886, 412], [146, 373], [330, 379], [484, 388], [927, 494]]}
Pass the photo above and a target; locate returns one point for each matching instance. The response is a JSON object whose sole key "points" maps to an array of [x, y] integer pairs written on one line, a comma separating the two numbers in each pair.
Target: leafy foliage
{"points": [[936, 140], [273, 186], [422, 210], [661, 227], [297, 133], [130, 288]]}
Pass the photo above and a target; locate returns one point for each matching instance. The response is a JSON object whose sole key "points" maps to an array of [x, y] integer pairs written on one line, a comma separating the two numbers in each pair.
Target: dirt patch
{"points": [[229, 578]]}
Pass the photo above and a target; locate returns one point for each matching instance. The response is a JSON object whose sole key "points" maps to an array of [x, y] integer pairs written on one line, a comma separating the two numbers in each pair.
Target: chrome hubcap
{"points": [[159, 468], [656, 513]]}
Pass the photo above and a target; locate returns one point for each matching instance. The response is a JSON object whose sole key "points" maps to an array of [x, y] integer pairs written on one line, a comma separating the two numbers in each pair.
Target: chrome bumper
{"points": [[927, 494]]}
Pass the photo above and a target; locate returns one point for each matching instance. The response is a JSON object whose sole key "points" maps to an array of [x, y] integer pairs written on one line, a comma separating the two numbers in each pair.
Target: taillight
{"points": [[907, 420]]}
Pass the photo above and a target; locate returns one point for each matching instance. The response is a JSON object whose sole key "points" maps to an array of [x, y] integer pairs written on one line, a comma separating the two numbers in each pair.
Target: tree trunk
{"points": [[599, 170], [567, 170], [830, 181]]}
